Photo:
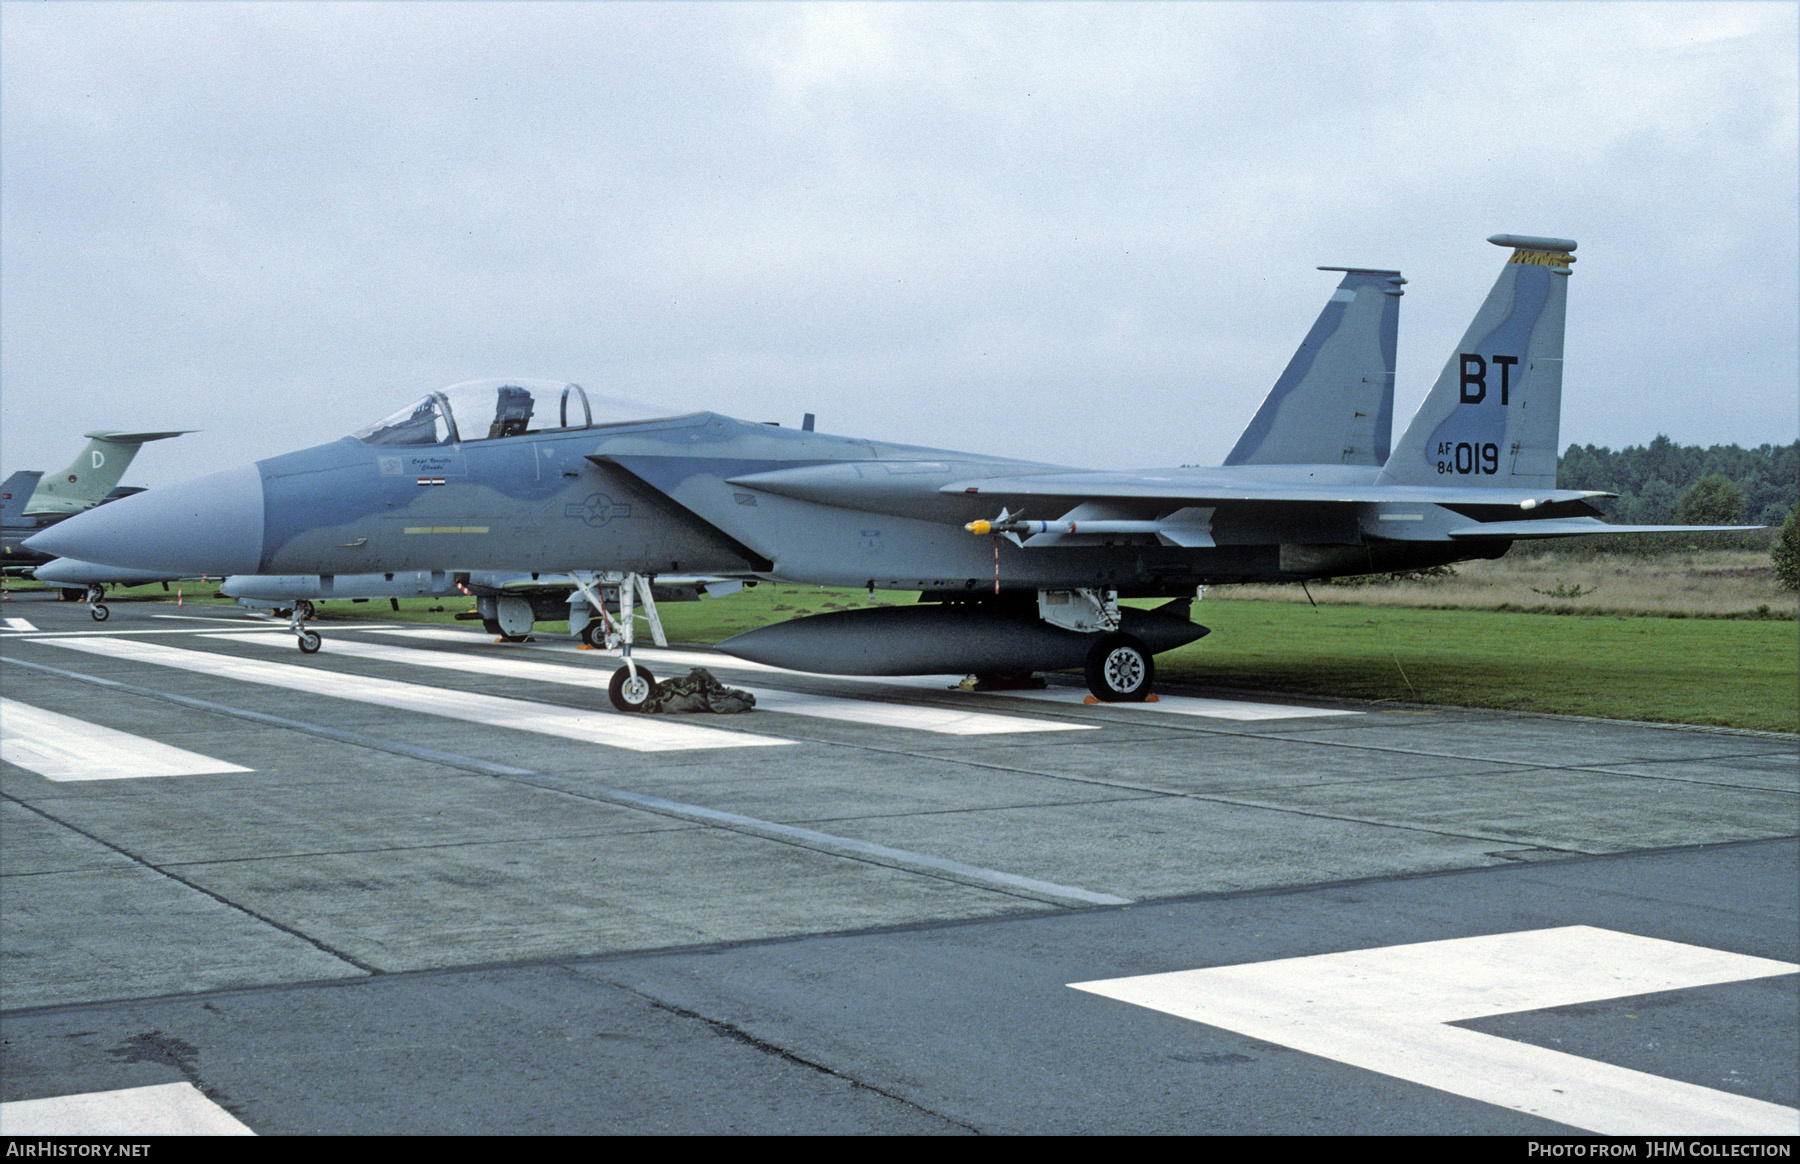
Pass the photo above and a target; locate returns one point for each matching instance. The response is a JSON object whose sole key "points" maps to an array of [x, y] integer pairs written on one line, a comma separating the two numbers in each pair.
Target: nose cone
{"points": [[211, 525]]}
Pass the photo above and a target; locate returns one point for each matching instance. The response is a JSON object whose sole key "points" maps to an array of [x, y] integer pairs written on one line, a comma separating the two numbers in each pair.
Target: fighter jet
{"points": [[1020, 566], [31, 500]]}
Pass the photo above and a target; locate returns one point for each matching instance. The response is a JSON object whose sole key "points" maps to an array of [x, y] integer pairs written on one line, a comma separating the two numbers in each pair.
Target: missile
{"points": [[1187, 527], [1032, 528], [946, 639]]}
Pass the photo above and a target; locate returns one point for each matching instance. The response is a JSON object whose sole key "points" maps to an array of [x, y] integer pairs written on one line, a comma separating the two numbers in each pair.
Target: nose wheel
{"points": [[97, 609], [631, 688], [307, 640]]}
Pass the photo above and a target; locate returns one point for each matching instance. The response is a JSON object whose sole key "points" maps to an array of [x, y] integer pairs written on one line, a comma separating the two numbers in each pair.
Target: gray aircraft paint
{"points": [[15, 527], [1334, 403], [70, 572], [655, 493], [1501, 390]]}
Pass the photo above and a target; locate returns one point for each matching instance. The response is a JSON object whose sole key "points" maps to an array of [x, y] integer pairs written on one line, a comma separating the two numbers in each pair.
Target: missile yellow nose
{"points": [[980, 527]]}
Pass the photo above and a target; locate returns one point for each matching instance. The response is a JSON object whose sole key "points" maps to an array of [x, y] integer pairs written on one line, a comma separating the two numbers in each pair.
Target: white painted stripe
{"points": [[264, 620], [929, 719], [19, 624], [65, 749], [1165, 704], [1233, 709], [167, 1109], [121, 632], [639, 733], [1388, 1010]]}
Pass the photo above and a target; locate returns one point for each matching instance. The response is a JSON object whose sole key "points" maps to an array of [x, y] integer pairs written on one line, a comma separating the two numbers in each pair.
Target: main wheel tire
{"points": [[630, 693], [305, 609], [1120, 670], [594, 634]]}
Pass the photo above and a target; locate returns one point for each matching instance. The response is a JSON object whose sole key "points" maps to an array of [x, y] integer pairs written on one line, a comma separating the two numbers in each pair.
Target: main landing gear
{"points": [[1118, 666], [1120, 670]]}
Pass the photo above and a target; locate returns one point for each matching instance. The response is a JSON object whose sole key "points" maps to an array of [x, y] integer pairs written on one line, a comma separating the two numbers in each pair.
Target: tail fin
{"points": [[14, 492], [1493, 417], [92, 474], [1334, 405]]}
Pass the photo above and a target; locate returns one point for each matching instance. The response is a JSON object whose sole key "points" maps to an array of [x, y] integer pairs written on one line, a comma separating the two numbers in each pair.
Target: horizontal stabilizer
{"points": [[1568, 527], [1200, 491], [135, 438]]}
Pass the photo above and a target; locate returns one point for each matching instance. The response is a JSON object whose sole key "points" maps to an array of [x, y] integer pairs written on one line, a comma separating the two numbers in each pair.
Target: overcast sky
{"points": [[1082, 233]]}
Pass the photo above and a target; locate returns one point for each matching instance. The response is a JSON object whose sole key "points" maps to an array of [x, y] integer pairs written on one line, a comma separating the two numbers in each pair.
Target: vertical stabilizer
{"points": [[1494, 415], [91, 476], [15, 492], [1334, 404]]}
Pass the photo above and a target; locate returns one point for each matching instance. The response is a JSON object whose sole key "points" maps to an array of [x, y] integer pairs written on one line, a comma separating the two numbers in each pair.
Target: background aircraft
{"points": [[1020, 566], [32, 500]]}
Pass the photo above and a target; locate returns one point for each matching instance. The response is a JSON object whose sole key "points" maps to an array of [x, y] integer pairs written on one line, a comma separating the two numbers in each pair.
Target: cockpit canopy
{"points": [[481, 410]]}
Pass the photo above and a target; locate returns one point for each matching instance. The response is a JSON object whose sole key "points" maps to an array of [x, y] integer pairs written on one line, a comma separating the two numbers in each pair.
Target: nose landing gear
{"points": [[633, 684], [308, 640]]}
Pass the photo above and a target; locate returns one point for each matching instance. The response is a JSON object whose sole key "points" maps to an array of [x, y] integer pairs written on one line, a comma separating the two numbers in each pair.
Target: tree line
{"points": [[1664, 483]]}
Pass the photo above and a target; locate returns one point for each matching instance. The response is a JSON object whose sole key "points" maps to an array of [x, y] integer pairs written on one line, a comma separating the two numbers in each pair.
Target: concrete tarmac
{"points": [[422, 882]]}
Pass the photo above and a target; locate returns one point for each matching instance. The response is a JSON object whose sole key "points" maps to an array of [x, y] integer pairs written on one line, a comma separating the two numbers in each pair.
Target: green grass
{"points": [[1743, 674], [1716, 672]]}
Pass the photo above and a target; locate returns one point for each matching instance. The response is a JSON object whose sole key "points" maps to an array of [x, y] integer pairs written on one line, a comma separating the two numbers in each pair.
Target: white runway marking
{"points": [[19, 624], [233, 618], [122, 632], [1234, 709], [167, 1109], [930, 719], [64, 749], [1388, 1010], [1237, 709], [638, 733]]}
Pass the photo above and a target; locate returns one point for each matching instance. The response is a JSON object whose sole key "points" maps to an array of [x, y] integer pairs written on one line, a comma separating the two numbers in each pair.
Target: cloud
{"points": [[1081, 232]]}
